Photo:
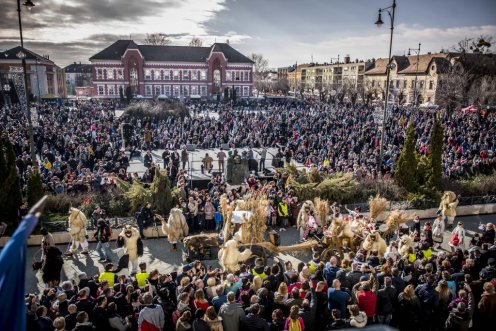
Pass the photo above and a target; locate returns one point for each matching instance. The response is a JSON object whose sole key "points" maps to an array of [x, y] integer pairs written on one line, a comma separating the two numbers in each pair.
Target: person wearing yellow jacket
{"points": [[283, 214]]}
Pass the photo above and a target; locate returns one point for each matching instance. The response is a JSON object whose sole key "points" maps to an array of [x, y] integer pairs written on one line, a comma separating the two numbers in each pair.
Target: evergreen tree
{"points": [[435, 155], [10, 195], [406, 169], [161, 192], [34, 188]]}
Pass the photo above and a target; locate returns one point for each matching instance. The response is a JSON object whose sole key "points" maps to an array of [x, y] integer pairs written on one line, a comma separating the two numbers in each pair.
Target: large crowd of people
{"points": [[80, 147], [426, 288]]}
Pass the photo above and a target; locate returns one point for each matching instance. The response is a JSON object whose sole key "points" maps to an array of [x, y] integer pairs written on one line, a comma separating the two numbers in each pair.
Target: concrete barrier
{"points": [[150, 232]]}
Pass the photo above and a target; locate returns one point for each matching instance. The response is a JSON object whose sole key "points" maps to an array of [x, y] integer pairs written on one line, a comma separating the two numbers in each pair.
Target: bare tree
{"points": [[480, 45], [451, 89], [195, 42], [157, 39], [261, 70]]}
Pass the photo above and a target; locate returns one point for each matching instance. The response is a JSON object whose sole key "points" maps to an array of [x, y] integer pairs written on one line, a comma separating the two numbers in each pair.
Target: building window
{"points": [[99, 73], [237, 76], [148, 90], [203, 90], [148, 74], [433, 67], [431, 85], [158, 90], [111, 89], [177, 90], [155, 75], [101, 90], [228, 75], [353, 68], [185, 74], [421, 84], [167, 90], [194, 90], [246, 77], [120, 74], [373, 83], [175, 74], [203, 74], [110, 74], [185, 90], [246, 91], [405, 82], [167, 75], [397, 83], [194, 74]]}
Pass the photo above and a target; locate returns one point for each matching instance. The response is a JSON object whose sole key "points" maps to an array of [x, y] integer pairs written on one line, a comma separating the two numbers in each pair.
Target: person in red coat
{"points": [[367, 301]]}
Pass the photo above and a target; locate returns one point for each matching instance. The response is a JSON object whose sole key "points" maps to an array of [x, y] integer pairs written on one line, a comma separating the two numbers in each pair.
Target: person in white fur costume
{"points": [[447, 207], [307, 219], [404, 245], [129, 238], [230, 256], [176, 227], [374, 242], [77, 230]]}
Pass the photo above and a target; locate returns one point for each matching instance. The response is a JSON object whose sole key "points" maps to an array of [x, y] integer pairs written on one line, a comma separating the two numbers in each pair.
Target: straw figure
{"points": [[377, 206], [322, 210]]}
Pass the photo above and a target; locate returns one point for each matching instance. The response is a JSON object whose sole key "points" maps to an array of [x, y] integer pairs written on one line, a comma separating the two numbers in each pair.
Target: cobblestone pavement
{"points": [[157, 254]]}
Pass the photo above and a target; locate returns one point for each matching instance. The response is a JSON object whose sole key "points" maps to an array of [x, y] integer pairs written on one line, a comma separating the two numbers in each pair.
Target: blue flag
{"points": [[12, 276]]}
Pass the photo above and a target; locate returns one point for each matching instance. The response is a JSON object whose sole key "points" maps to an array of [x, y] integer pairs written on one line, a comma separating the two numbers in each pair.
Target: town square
{"points": [[226, 165]]}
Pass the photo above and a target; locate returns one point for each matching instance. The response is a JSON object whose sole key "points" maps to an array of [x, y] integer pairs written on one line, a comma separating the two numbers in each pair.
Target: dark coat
{"points": [[386, 299], [52, 265], [252, 322]]}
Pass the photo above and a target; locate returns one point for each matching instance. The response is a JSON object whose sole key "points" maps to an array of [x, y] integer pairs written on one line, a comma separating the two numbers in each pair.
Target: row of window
{"points": [[186, 90], [404, 83], [168, 90], [109, 74], [238, 75], [167, 74]]}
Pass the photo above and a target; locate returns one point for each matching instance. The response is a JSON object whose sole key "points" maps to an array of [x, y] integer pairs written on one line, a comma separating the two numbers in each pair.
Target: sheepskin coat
{"points": [[77, 225], [176, 227], [131, 243]]}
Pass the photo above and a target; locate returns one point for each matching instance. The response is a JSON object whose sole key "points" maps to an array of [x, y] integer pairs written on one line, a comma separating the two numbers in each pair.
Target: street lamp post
{"points": [[415, 92], [38, 79], [391, 11], [22, 55]]}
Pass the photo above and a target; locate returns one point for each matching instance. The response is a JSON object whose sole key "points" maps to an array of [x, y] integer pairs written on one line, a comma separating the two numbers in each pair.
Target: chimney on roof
{"points": [[347, 58], [74, 62]]}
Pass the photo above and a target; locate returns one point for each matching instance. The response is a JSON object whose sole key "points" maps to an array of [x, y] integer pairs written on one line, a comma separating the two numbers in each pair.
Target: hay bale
{"points": [[377, 205], [322, 207], [394, 219]]}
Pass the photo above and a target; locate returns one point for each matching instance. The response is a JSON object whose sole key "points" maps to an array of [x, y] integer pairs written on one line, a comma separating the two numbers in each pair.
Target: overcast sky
{"points": [[284, 31]]}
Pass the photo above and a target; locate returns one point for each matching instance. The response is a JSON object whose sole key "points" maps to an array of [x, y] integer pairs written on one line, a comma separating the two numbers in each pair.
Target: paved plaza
{"points": [[157, 254]]}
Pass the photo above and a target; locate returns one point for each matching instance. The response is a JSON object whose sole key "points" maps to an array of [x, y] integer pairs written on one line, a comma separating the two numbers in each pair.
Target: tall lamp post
{"points": [[22, 55], [390, 10], [415, 91]]}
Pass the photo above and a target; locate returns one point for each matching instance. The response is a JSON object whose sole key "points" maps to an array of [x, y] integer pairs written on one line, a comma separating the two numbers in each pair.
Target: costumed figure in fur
{"points": [[341, 232], [374, 242], [175, 228], [77, 230], [404, 245], [448, 205], [130, 240], [307, 219], [230, 256]]}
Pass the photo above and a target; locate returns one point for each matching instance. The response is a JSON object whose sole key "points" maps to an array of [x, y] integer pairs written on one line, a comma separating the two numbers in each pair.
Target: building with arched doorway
{"points": [[173, 71]]}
